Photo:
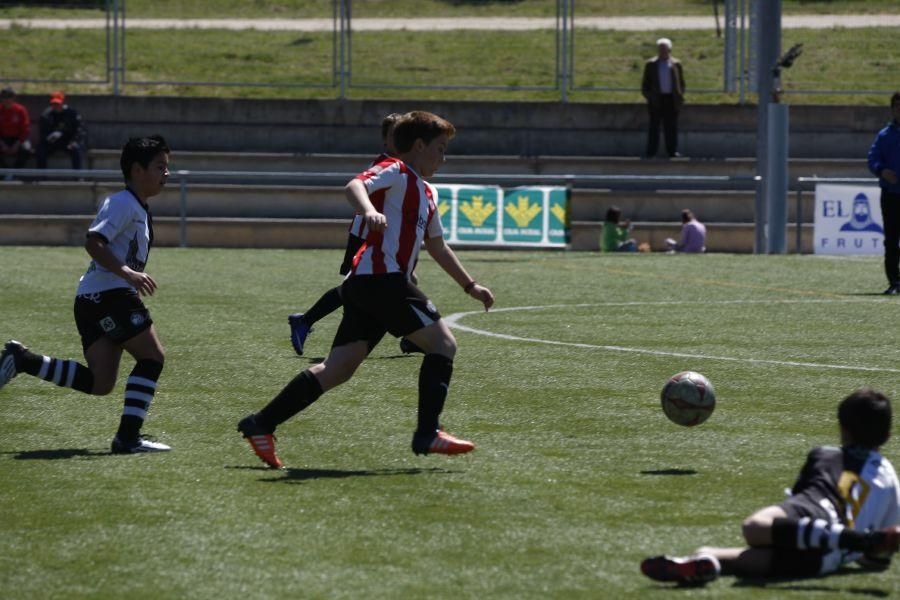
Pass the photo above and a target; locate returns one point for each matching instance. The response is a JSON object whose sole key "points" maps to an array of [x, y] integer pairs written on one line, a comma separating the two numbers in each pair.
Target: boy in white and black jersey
{"points": [[400, 211], [844, 507], [109, 313]]}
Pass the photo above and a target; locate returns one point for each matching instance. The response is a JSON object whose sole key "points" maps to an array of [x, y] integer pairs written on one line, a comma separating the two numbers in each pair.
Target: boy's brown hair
{"points": [[388, 122], [420, 124]]}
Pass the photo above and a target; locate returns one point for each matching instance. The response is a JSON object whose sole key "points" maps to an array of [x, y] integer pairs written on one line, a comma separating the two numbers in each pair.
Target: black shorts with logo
{"points": [[117, 314], [354, 243], [379, 304]]}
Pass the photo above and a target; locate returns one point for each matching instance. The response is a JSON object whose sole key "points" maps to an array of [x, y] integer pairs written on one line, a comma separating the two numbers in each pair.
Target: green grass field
{"points": [[577, 475], [853, 60]]}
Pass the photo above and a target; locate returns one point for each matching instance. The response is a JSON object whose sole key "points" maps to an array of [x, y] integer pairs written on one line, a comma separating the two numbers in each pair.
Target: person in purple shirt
{"points": [[693, 235]]}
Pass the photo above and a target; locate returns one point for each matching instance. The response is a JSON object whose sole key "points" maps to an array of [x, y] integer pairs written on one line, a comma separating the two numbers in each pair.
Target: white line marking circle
{"points": [[453, 321]]}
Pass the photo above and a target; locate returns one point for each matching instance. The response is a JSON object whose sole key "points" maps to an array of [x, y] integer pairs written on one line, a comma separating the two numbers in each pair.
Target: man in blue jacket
{"points": [[884, 162]]}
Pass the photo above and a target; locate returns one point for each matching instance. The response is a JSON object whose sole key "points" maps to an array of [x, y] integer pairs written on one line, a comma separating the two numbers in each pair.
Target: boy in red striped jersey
{"points": [[301, 323], [400, 212]]}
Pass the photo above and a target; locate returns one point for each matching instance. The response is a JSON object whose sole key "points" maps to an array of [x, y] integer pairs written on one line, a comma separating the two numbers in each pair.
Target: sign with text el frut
{"points": [[489, 215], [848, 220]]}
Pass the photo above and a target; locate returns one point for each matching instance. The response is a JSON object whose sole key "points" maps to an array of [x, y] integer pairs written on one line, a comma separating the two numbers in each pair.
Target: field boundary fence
{"points": [[738, 28]]}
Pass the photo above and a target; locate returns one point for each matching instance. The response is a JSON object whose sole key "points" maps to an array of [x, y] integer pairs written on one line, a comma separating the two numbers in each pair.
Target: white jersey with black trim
{"points": [[126, 226], [858, 486]]}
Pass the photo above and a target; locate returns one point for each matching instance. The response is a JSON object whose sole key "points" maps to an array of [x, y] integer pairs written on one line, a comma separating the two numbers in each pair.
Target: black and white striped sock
{"points": [[139, 391], [64, 373]]}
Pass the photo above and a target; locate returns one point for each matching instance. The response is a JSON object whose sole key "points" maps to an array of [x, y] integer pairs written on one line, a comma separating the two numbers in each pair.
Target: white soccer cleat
{"points": [[137, 447], [8, 363]]}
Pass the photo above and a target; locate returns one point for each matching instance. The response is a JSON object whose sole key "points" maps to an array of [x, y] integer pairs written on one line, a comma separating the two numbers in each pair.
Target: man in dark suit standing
{"points": [[663, 87]]}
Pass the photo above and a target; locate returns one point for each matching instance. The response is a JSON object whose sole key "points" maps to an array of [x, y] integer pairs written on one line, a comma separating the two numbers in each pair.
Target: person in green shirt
{"points": [[614, 237]]}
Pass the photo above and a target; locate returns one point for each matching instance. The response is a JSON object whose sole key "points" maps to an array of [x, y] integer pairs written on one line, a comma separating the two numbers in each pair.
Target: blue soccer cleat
{"points": [[300, 330]]}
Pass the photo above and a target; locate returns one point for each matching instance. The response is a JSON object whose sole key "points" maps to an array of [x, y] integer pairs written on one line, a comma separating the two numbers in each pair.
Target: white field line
{"points": [[459, 23], [453, 321]]}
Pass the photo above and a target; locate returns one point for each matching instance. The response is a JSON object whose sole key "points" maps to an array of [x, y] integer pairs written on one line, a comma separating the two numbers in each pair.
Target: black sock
{"points": [[434, 383], [139, 391], [324, 306], [302, 391], [64, 373]]}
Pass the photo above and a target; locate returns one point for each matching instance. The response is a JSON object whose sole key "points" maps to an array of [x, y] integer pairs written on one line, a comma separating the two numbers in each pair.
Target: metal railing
{"points": [[184, 178]]}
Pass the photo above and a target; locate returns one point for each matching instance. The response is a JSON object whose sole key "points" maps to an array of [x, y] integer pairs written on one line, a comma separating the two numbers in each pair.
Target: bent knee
{"points": [[103, 385], [754, 531]]}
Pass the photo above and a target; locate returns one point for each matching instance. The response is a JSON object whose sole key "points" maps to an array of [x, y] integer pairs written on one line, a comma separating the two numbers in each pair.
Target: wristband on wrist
{"points": [[469, 286]]}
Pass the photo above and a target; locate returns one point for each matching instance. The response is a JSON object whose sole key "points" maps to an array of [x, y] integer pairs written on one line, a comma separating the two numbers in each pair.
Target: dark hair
{"points": [[387, 122], [686, 215], [895, 98], [613, 214], [141, 151], [865, 415], [420, 125]]}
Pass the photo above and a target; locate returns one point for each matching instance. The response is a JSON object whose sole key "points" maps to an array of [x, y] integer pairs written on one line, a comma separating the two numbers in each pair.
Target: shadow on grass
{"points": [[670, 472], [314, 360], [57, 454], [291, 475], [807, 585], [868, 294]]}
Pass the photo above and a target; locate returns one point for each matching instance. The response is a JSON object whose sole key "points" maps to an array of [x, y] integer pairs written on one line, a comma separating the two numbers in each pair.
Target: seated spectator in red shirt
{"points": [[61, 131], [14, 129]]}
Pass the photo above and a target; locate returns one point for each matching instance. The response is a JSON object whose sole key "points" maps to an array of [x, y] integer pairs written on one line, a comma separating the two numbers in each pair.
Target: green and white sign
{"points": [[488, 215]]}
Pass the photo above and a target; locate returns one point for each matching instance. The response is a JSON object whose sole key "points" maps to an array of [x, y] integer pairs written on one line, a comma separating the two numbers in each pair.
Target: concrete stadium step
{"points": [[328, 202], [486, 165], [720, 237], [68, 230], [203, 200], [666, 205]]}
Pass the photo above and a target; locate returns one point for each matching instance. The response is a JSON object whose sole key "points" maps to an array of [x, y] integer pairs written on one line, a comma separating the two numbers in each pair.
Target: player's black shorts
{"points": [[354, 243], [787, 562], [379, 304], [117, 314]]}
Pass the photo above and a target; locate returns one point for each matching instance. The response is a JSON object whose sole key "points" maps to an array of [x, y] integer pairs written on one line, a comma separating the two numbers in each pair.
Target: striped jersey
{"points": [[409, 204], [126, 225], [357, 226]]}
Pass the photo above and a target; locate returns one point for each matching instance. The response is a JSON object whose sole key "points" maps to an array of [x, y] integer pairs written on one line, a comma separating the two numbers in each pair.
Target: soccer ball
{"points": [[688, 398]]}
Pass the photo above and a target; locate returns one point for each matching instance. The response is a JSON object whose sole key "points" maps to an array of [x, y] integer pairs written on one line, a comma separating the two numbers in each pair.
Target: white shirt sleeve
{"points": [[377, 178], [111, 219]]}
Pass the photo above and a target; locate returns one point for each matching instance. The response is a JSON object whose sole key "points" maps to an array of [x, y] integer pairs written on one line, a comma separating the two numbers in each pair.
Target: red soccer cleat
{"points": [[442, 443], [262, 442], [691, 570]]}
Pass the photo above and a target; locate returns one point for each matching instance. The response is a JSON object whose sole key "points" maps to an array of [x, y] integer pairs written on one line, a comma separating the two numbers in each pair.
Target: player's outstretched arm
{"points": [[359, 199], [98, 250], [448, 261]]}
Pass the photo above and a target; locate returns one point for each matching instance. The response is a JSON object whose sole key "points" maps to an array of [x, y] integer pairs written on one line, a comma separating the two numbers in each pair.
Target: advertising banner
{"points": [[489, 215], [848, 220]]}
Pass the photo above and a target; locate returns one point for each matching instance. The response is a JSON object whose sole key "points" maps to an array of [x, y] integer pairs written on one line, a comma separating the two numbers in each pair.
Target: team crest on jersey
{"points": [[137, 319], [107, 324]]}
